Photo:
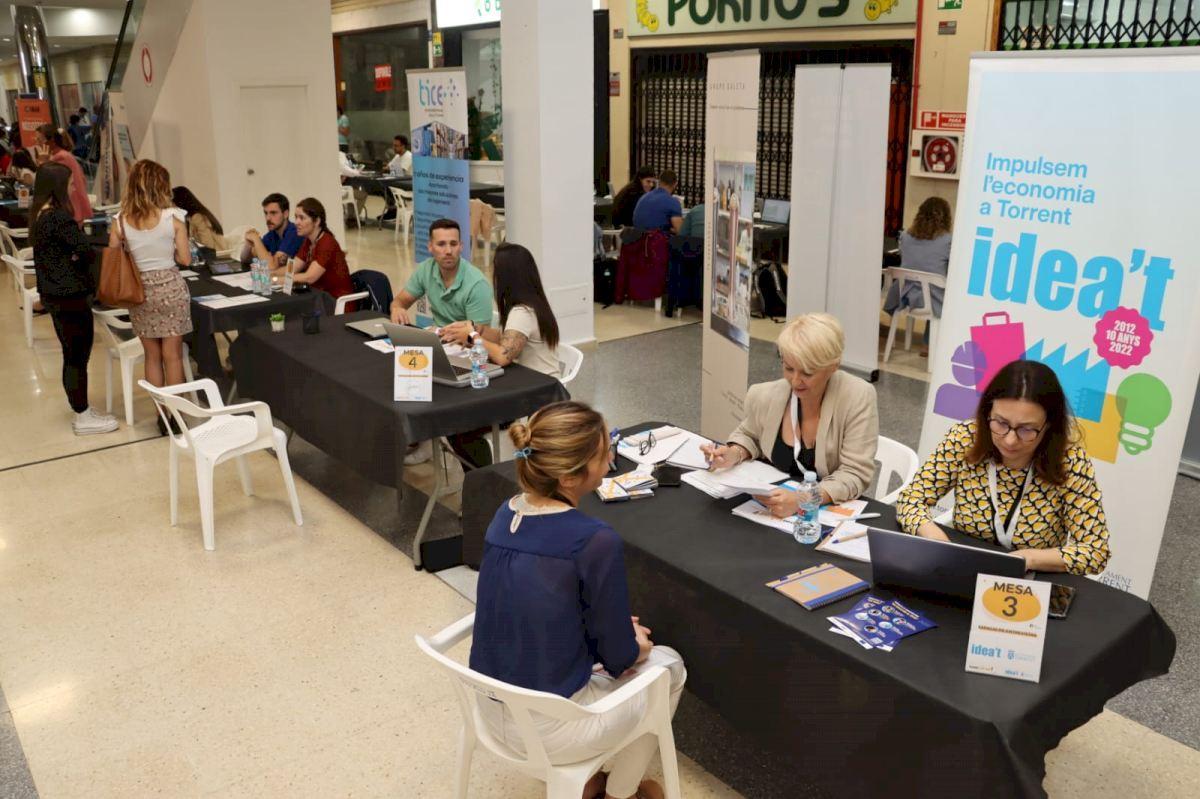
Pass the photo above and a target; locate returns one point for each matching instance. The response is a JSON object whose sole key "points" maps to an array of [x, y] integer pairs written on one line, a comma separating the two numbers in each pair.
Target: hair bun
{"points": [[520, 435]]}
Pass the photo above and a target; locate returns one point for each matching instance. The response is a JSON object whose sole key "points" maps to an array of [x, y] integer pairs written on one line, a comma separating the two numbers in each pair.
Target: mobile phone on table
{"points": [[1061, 597], [668, 476]]}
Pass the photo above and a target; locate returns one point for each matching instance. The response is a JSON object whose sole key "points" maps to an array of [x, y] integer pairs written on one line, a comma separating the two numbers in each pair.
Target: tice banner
{"points": [[437, 106]]}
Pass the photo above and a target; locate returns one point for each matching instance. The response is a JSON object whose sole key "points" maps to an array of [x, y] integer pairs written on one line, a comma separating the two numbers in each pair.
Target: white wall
{"points": [[358, 15], [196, 129]]}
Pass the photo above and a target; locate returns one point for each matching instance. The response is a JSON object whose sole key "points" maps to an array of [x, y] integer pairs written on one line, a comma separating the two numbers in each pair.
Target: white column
{"points": [[547, 63]]}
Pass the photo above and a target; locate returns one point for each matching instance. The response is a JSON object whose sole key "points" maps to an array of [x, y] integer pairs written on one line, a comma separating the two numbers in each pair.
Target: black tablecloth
{"points": [[911, 722], [336, 393], [207, 322]]}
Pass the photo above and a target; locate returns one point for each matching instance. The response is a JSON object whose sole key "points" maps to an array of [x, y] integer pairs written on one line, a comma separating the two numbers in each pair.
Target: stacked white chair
{"points": [[564, 781], [226, 433], [23, 275], [894, 459], [404, 211]]}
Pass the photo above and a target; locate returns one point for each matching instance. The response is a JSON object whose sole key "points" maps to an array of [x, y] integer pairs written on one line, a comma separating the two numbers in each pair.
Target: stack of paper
{"points": [[229, 302], [243, 280], [748, 477], [666, 441], [849, 539], [876, 623], [637, 484]]}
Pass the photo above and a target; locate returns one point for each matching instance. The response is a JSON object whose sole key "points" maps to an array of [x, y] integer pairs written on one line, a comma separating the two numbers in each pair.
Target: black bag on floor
{"points": [[604, 280], [770, 284]]}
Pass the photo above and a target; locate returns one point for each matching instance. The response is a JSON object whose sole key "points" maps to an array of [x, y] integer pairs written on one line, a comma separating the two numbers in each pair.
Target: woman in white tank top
{"points": [[157, 238]]}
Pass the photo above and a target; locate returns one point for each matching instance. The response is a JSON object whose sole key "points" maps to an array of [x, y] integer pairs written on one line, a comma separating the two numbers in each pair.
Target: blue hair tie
{"points": [[523, 453]]}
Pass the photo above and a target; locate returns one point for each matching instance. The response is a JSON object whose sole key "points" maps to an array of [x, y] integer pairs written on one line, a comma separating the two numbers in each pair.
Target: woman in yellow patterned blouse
{"points": [[1020, 477]]}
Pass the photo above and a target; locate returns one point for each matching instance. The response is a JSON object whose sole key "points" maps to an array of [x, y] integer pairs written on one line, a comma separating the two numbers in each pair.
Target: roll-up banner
{"points": [[1075, 245], [839, 177], [437, 106], [730, 139]]}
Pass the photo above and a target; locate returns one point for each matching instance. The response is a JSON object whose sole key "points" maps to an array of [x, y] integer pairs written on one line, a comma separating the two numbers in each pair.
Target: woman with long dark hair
{"points": [[203, 226], [528, 332], [53, 145], [627, 198], [23, 167], [63, 259], [1020, 476], [321, 263]]}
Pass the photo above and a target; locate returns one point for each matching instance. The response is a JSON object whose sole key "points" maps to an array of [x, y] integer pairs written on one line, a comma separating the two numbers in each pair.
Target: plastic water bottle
{"points": [[195, 251], [256, 276], [807, 529], [479, 359]]}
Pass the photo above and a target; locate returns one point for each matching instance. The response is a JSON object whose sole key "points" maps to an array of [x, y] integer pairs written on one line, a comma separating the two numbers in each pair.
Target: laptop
{"points": [[776, 211], [447, 371], [936, 567], [373, 328]]}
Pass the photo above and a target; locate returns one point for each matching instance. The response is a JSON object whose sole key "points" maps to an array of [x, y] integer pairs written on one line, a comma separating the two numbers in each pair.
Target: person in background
{"points": [[96, 109], [627, 198], [79, 134], [5, 156], [659, 209], [693, 222], [203, 226], [401, 164], [348, 171], [321, 262], [85, 118], [52, 144], [63, 259], [815, 419], [553, 604], [343, 130], [925, 247], [528, 332], [1020, 476], [280, 242], [22, 167], [156, 235], [457, 291]]}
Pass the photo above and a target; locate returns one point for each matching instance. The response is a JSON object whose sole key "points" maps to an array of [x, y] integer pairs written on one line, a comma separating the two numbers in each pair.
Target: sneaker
{"points": [[419, 454], [89, 423]]}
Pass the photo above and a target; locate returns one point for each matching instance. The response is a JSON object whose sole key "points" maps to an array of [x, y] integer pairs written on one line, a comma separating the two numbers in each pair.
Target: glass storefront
{"points": [[481, 60], [378, 107]]}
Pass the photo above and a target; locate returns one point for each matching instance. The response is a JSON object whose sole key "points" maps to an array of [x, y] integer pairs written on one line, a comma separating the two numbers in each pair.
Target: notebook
{"points": [[848, 539], [818, 586]]}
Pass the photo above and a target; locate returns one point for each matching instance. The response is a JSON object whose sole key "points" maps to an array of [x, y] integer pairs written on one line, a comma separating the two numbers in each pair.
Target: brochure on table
{"points": [[1008, 627], [876, 623]]}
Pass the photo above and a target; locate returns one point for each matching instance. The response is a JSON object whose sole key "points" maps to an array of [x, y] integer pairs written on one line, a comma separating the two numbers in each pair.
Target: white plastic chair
{"points": [[904, 314], [22, 272], [348, 201], [562, 781], [404, 211], [226, 432], [570, 359], [339, 307], [894, 459], [123, 346], [237, 238]]}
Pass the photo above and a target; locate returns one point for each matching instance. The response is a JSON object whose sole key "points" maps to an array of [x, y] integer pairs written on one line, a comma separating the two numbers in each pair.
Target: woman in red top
{"points": [[52, 146], [320, 262]]}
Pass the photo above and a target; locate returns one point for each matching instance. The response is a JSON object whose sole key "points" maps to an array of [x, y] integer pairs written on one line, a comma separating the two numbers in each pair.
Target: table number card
{"points": [[289, 280], [1008, 627], [413, 380]]}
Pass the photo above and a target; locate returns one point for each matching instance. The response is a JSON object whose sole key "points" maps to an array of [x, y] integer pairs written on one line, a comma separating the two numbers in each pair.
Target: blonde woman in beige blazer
{"points": [[835, 412]]}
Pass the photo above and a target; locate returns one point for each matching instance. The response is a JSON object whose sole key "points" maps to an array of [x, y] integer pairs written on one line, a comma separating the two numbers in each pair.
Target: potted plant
{"points": [[276, 323]]}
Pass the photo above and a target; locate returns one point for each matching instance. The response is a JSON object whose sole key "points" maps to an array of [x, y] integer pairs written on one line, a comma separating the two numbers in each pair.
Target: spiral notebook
{"points": [[818, 586]]}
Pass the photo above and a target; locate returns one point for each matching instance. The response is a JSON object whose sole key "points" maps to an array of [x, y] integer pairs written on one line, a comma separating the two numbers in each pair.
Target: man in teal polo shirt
{"points": [[457, 291]]}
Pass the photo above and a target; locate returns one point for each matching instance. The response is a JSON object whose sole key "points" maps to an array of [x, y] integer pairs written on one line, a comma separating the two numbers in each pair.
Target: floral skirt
{"points": [[167, 310]]}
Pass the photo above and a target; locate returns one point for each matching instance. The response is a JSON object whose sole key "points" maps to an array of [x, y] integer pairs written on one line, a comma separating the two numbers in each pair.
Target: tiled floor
{"points": [[133, 663]]}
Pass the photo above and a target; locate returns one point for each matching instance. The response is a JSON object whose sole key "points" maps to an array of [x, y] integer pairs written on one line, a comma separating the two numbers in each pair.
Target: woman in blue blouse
{"points": [[553, 607]]}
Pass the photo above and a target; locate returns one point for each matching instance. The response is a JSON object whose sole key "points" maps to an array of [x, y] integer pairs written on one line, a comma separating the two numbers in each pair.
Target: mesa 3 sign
{"points": [[659, 17]]}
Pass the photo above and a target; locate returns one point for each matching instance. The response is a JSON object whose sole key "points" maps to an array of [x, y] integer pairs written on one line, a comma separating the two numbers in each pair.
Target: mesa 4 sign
{"points": [[659, 17]]}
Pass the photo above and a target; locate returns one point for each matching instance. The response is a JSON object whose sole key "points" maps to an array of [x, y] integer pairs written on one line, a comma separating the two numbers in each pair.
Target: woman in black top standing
{"points": [[63, 259]]}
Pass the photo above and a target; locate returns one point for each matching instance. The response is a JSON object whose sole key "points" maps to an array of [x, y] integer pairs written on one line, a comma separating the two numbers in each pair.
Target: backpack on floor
{"points": [[770, 286], [604, 280]]}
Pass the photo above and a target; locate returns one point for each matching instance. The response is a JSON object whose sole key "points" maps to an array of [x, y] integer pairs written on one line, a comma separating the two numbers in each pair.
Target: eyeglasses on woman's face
{"points": [[1001, 428]]}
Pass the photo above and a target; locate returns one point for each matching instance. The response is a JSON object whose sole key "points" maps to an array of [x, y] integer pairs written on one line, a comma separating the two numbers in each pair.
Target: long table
{"points": [[379, 184], [207, 322], [911, 722], [336, 393]]}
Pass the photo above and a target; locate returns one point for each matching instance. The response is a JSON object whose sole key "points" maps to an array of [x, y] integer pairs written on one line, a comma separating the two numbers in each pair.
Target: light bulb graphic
{"points": [[1144, 403]]}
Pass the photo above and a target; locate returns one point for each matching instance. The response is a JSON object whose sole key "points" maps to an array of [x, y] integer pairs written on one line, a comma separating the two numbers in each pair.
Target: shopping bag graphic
{"points": [[1000, 341]]}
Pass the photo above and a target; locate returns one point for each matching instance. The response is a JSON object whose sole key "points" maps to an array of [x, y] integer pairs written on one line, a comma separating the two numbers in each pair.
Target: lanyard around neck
{"points": [[1004, 533]]}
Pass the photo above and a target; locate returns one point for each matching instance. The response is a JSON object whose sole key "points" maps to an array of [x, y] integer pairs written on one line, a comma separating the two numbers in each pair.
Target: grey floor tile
{"points": [[15, 779]]}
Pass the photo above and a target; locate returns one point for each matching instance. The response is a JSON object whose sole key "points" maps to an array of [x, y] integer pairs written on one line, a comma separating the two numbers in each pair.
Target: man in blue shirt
{"points": [[281, 241], [658, 209]]}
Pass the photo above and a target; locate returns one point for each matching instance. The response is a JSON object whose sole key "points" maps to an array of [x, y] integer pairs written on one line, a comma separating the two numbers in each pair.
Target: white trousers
{"points": [[570, 742]]}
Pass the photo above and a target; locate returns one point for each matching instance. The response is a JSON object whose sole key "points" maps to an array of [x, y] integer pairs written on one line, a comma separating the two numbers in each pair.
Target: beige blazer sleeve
{"points": [[847, 435]]}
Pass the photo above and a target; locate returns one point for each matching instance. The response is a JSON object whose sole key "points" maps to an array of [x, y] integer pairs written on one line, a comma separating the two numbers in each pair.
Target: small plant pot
{"points": [[277, 325]]}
